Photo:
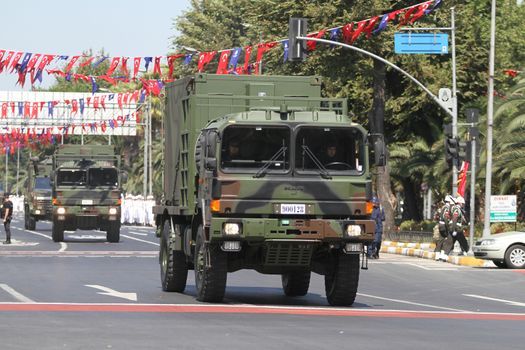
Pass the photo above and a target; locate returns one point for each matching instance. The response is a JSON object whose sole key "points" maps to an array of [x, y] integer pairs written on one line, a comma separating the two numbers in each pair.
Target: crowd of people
{"points": [[135, 209]]}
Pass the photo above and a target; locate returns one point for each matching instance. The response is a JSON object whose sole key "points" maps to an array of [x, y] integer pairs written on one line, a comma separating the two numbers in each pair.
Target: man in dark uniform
{"points": [[378, 215], [7, 215]]}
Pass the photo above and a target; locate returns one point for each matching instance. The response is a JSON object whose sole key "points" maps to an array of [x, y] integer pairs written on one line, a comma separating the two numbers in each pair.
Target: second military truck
{"points": [[37, 196], [262, 173], [86, 182]]}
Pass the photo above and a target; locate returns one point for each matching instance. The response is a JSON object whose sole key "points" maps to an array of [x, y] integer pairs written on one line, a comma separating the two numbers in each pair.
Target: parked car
{"points": [[506, 250]]}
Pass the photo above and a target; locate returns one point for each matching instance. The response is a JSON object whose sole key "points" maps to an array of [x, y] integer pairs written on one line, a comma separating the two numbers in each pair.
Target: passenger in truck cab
{"points": [[232, 152]]}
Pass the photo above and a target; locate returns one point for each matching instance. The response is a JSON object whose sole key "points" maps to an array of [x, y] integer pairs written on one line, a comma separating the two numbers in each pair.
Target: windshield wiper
{"points": [[262, 171], [322, 170]]}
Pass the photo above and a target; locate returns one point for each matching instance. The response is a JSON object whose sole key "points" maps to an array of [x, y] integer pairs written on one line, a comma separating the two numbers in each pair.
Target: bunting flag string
{"points": [[24, 63]]}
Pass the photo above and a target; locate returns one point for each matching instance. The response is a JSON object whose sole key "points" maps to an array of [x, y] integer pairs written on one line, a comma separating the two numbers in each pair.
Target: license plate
{"points": [[87, 202], [293, 209]]}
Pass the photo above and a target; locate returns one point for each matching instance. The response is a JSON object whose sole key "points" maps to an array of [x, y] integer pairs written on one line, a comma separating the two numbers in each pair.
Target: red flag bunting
{"points": [[348, 29], [371, 24], [113, 65], [222, 68], [156, 67], [360, 27], [72, 62], [136, 65]]}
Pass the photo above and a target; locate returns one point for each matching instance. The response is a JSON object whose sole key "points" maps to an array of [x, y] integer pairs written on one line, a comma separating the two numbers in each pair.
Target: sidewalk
{"points": [[426, 251]]}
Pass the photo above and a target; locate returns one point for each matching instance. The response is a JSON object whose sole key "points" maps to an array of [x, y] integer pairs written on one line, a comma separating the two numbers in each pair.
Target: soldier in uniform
{"points": [[457, 219], [7, 214], [443, 216], [378, 215]]}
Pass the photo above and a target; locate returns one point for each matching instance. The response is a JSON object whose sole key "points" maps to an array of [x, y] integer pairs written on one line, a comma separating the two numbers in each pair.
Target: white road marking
{"points": [[411, 303], [431, 267], [15, 294], [39, 234], [113, 293], [63, 247], [508, 302], [140, 240], [138, 233]]}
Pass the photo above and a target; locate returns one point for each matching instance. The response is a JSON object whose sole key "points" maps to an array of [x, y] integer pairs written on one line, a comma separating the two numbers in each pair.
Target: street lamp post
{"points": [[490, 116]]}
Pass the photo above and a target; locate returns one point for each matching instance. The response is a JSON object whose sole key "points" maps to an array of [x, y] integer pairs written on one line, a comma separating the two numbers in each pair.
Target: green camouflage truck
{"points": [[249, 184], [37, 194], [86, 182]]}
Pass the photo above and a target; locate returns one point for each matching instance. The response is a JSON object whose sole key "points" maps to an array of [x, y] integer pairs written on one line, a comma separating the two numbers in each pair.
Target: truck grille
{"points": [[288, 254], [45, 204]]}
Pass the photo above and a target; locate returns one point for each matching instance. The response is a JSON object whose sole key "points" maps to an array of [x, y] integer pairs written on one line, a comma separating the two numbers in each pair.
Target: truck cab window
{"points": [[252, 147], [42, 183], [336, 150], [71, 178], [103, 177]]}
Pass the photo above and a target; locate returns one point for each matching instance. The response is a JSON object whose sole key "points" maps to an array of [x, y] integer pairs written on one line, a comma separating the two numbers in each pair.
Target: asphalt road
{"points": [[86, 293]]}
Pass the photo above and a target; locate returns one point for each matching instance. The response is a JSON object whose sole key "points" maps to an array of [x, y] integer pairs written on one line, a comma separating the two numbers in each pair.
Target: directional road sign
{"points": [[421, 43]]}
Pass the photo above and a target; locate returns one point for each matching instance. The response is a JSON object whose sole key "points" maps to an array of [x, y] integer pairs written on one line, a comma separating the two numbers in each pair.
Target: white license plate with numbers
{"points": [[293, 209]]}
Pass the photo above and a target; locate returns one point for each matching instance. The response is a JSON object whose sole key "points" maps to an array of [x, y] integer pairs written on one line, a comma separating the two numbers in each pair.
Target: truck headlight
{"points": [[112, 211], [353, 230], [37, 212], [61, 211], [231, 228]]}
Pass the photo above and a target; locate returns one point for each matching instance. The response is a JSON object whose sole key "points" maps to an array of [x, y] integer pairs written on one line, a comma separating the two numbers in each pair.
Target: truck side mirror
{"points": [[378, 142], [211, 163], [124, 177], [211, 144], [52, 178]]}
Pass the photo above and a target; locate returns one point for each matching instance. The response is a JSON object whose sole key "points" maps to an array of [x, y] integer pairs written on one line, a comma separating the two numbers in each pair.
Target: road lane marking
{"points": [[411, 303], [140, 240], [15, 294], [255, 309], [113, 293], [508, 302], [38, 234], [138, 233], [79, 253]]}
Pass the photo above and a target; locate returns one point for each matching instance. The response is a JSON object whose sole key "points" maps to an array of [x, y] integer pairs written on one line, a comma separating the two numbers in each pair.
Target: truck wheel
{"points": [[57, 232], [296, 284], [211, 269], [341, 283], [173, 266], [113, 232], [31, 222]]}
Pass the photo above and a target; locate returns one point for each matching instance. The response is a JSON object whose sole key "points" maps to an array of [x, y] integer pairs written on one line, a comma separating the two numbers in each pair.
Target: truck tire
{"points": [[296, 284], [173, 266], [341, 283], [31, 222], [113, 232], [57, 232], [210, 276]]}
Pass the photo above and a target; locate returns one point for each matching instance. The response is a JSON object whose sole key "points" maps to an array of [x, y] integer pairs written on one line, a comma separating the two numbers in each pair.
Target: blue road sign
{"points": [[421, 43]]}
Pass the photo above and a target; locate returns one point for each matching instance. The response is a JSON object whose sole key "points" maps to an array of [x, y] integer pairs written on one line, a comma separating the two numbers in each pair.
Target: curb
{"points": [[425, 251]]}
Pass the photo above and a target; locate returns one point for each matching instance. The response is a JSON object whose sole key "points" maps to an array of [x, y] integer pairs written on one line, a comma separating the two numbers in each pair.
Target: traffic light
{"points": [[297, 48], [462, 151]]}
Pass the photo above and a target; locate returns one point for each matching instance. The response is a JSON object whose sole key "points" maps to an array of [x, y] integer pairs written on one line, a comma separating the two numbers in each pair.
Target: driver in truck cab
{"points": [[330, 155]]}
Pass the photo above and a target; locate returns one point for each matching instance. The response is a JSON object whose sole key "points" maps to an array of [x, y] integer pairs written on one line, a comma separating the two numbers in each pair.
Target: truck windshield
{"points": [[255, 147], [103, 177], [42, 183], [71, 177], [338, 150]]}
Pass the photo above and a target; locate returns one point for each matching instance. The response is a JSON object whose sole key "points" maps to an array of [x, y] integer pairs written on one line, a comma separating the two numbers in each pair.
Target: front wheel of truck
{"points": [[173, 266], [113, 232], [296, 284], [57, 232], [341, 282], [211, 269], [29, 220]]}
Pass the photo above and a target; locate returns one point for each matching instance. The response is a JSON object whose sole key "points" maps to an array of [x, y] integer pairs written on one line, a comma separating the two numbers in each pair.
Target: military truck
{"points": [[276, 204], [86, 182], [37, 194]]}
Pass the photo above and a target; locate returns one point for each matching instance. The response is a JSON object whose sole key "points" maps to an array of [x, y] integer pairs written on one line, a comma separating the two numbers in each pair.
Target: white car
{"points": [[506, 250]]}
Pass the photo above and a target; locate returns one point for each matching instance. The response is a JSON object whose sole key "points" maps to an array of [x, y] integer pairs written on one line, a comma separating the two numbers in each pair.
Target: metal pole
{"points": [[17, 169], [150, 156], [429, 203], [145, 166], [434, 97], [490, 116], [454, 99], [472, 192], [6, 157]]}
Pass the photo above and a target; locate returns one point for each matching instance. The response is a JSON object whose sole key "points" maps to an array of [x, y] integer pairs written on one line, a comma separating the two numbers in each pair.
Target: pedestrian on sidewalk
{"points": [[7, 215], [378, 215], [443, 216]]}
